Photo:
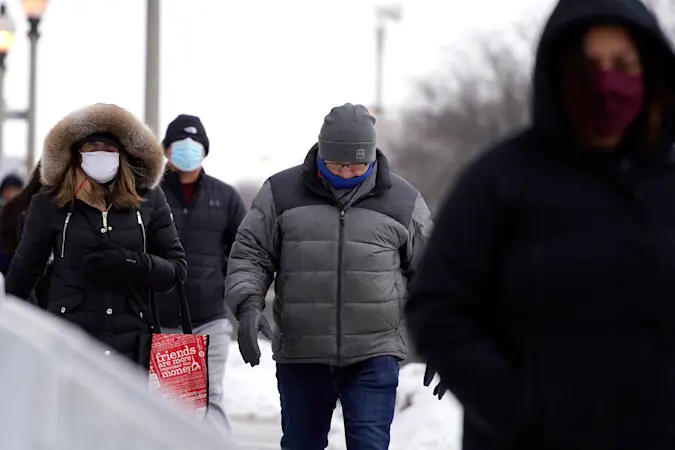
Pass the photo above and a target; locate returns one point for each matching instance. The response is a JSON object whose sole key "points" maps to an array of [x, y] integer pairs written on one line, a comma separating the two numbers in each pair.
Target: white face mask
{"points": [[101, 166]]}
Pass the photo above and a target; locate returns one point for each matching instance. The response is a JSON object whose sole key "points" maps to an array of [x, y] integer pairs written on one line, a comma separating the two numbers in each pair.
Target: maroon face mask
{"points": [[614, 101]]}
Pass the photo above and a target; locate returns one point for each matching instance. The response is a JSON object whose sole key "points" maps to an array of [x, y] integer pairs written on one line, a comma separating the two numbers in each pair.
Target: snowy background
{"points": [[422, 422]]}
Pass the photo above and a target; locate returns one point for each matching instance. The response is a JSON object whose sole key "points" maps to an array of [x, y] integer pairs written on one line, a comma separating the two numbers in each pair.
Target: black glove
{"points": [[110, 263], [251, 321], [440, 389]]}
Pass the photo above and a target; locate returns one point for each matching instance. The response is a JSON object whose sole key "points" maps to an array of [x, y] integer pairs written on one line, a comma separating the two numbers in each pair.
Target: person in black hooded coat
{"points": [[108, 225], [546, 298]]}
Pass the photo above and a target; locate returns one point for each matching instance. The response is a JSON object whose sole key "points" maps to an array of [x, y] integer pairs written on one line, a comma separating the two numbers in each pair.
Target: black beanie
{"points": [[186, 126], [106, 138], [348, 135], [11, 181]]}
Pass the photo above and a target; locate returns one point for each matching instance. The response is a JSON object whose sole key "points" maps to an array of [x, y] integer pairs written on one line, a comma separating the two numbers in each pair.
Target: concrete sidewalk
{"points": [[256, 434]]}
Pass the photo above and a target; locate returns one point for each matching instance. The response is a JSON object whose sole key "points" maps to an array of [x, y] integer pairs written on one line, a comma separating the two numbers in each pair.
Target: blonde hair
{"points": [[121, 193]]}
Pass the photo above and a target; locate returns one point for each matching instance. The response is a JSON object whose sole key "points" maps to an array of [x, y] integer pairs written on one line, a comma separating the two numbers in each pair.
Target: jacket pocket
{"points": [[278, 342], [66, 305], [400, 308], [279, 335], [401, 336], [140, 308]]}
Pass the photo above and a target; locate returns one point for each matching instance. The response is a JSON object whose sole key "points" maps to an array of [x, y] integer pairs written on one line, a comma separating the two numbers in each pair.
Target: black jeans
{"points": [[309, 394]]}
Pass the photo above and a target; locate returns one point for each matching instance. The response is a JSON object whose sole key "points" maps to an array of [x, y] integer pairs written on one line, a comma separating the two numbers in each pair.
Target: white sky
{"points": [[260, 73]]}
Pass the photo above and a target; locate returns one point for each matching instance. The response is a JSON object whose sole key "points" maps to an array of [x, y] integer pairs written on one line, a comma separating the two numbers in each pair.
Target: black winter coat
{"points": [[207, 226], [546, 298], [113, 315]]}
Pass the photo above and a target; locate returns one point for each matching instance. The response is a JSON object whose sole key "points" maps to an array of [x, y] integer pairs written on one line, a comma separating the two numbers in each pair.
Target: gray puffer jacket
{"points": [[342, 266]]}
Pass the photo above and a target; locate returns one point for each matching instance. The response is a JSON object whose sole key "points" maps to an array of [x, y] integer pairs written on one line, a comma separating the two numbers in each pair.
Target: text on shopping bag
{"points": [[178, 369]]}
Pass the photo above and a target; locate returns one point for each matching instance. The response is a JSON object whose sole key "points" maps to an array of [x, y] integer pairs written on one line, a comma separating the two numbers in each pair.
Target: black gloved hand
{"points": [[440, 389], [251, 321], [113, 264]]}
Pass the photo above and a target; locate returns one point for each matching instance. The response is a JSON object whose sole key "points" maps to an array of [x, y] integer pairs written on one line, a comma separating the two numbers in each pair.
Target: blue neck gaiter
{"points": [[338, 182]]}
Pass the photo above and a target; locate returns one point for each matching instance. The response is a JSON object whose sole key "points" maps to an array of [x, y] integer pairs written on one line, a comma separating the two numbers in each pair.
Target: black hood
{"points": [[569, 15]]}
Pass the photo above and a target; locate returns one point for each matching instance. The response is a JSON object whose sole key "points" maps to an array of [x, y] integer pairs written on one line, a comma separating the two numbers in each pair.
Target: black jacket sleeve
{"points": [[30, 258], [164, 248], [450, 307], [235, 215]]}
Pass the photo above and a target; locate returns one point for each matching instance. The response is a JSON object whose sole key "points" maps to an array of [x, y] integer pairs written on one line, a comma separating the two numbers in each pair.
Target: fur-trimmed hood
{"points": [[138, 140]]}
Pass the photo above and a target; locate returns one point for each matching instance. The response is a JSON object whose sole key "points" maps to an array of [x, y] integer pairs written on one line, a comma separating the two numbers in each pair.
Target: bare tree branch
{"points": [[461, 114], [484, 94]]}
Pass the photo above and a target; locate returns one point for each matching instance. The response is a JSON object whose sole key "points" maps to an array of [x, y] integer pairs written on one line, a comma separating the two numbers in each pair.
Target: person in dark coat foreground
{"points": [[546, 299], [108, 225]]}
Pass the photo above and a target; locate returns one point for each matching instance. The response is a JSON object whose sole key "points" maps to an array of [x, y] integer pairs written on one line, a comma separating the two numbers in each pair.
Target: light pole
{"points": [[152, 67], [34, 9], [383, 14], [7, 30]]}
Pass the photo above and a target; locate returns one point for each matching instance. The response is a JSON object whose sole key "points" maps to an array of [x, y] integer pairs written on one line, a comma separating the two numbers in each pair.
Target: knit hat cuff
{"points": [[347, 152]]}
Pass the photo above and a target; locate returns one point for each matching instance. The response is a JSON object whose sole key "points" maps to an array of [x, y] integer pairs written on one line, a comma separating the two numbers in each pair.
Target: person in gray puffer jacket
{"points": [[341, 236]]}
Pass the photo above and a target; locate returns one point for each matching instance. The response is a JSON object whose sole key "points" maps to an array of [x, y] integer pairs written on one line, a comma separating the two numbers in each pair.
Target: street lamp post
{"points": [[7, 30], [152, 64], [34, 9], [384, 13]]}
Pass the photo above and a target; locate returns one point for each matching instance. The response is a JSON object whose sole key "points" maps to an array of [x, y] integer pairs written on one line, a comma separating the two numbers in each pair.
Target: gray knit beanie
{"points": [[348, 135]]}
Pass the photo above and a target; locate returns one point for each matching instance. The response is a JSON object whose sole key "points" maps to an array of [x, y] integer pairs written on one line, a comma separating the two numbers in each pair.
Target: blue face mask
{"points": [[337, 181], [187, 155]]}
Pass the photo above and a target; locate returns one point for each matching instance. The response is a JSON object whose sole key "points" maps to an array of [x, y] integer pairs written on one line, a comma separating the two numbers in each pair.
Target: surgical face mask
{"points": [[186, 155], [101, 166]]}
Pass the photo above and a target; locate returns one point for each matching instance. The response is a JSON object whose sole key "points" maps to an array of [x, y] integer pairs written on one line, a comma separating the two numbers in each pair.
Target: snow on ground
{"points": [[427, 423], [421, 422]]}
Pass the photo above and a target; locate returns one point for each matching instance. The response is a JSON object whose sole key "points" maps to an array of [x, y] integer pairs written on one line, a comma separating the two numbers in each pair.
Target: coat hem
{"points": [[400, 355]]}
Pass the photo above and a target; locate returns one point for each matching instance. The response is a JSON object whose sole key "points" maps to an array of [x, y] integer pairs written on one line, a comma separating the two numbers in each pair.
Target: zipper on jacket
{"points": [[140, 222], [63, 237], [104, 215], [186, 220], [339, 285]]}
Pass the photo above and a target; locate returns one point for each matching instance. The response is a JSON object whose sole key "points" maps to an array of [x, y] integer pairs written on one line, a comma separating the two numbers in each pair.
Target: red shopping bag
{"points": [[178, 363], [179, 370]]}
